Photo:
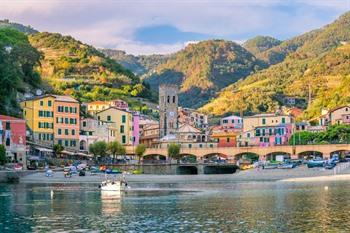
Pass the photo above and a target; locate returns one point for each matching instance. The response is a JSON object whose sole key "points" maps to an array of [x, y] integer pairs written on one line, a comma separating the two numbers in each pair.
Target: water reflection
{"points": [[226, 207], [111, 202]]}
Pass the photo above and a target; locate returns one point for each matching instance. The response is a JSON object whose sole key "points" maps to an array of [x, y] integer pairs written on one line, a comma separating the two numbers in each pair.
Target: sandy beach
{"points": [[301, 173]]}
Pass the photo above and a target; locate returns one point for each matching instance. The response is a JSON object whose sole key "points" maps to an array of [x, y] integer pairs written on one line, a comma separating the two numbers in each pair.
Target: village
{"points": [[55, 126]]}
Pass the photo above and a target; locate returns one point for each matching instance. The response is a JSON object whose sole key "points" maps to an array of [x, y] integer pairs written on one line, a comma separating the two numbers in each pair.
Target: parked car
{"points": [[315, 163]]}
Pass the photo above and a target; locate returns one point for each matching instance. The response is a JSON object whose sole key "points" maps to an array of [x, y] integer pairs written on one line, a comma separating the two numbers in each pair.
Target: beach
{"points": [[301, 173]]}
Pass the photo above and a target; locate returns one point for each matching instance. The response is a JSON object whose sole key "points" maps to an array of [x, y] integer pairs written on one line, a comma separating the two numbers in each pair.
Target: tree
{"points": [[140, 151], [116, 148], [57, 149], [98, 148], [174, 151], [3, 158]]}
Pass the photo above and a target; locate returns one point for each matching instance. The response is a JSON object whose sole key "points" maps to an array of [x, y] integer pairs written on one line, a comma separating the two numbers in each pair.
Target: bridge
{"points": [[264, 153]]}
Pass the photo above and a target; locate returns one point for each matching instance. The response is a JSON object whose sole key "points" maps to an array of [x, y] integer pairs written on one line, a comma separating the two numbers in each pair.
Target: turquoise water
{"points": [[229, 207]]}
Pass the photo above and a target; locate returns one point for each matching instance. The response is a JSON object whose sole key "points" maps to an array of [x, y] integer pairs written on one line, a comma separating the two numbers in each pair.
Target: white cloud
{"points": [[112, 23]]}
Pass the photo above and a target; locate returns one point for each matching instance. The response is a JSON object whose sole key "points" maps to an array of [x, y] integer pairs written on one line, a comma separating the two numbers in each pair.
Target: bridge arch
{"points": [[341, 153], [272, 156], [186, 170], [310, 154], [247, 156], [154, 158], [215, 157], [187, 158]]}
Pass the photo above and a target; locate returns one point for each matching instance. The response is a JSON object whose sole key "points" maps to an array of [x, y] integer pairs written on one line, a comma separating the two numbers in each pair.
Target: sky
{"points": [[166, 26]]}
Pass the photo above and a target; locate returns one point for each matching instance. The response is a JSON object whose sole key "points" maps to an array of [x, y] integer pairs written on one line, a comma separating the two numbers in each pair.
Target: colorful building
{"points": [[53, 119], [13, 137], [193, 118], [339, 115], [266, 130], [149, 134], [96, 106], [227, 132], [93, 130], [121, 124]]}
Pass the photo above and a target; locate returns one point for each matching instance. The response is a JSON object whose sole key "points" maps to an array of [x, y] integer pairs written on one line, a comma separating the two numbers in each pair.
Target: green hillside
{"points": [[71, 67], [139, 65], [17, 75], [319, 66], [204, 68], [25, 29], [260, 44]]}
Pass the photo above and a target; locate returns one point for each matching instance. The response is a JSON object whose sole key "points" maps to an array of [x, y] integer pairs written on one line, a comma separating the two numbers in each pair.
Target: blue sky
{"points": [[160, 26]]}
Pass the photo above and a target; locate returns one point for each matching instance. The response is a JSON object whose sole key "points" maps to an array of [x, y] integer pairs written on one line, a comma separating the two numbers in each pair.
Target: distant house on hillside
{"points": [[339, 115]]}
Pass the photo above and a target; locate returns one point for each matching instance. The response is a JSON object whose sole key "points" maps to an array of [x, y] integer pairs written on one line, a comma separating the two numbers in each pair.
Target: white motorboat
{"points": [[109, 185], [116, 185]]}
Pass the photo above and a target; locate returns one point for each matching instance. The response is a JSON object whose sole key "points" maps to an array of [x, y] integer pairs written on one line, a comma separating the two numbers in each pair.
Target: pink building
{"points": [[136, 128], [13, 137], [232, 122]]}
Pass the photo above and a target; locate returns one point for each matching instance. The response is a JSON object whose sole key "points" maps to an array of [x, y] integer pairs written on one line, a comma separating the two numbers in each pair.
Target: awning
{"points": [[84, 155], [67, 152], [41, 149]]}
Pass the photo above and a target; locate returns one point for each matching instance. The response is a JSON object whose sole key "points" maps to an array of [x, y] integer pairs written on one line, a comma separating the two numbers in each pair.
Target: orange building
{"points": [[226, 137], [66, 126]]}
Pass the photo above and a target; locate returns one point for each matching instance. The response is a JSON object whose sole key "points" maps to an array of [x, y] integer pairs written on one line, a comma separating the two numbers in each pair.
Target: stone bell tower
{"points": [[168, 103]]}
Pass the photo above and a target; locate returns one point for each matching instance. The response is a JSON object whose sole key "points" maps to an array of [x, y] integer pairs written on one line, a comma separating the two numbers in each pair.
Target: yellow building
{"points": [[53, 119], [96, 106], [121, 124]]}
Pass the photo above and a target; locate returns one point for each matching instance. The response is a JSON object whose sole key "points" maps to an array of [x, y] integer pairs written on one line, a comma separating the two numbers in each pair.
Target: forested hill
{"points": [[17, 61], [20, 27], [140, 65], [72, 67], [260, 44], [204, 68], [321, 61]]}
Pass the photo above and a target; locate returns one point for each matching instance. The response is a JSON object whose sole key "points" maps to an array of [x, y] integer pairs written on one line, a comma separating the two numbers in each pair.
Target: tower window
{"points": [[168, 99], [173, 99]]}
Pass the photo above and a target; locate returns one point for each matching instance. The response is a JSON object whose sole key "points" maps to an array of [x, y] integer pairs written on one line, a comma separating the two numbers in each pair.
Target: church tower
{"points": [[168, 103]]}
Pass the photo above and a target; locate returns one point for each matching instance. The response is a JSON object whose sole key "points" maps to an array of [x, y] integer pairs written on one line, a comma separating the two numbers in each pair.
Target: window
{"points": [[283, 120], [200, 145], [261, 139], [60, 141], [122, 129], [73, 131], [227, 140], [41, 103], [174, 99], [66, 132], [8, 125], [66, 143], [123, 139], [49, 103], [211, 145], [233, 121], [257, 132], [264, 121], [189, 145], [248, 135], [59, 131], [123, 118], [168, 99], [270, 131], [225, 121], [71, 109], [66, 120], [84, 123], [65, 109], [108, 118]]}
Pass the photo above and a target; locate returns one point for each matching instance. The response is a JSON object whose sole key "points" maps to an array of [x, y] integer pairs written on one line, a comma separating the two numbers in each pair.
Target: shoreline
{"points": [[299, 174]]}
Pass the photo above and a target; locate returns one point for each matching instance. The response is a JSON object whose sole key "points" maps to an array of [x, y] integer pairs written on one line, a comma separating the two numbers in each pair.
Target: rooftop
{"points": [[10, 118]]}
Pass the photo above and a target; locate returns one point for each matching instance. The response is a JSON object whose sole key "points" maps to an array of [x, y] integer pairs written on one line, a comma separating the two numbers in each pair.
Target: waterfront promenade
{"points": [[252, 175]]}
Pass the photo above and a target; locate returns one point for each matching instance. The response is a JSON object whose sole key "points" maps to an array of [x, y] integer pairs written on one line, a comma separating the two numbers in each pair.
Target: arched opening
{"points": [[203, 138], [246, 158], [307, 155], [83, 145], [188, 158], [186, 170], [278, 156], [343, 155], [220, 169], [215, 158], [154, 159]]}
